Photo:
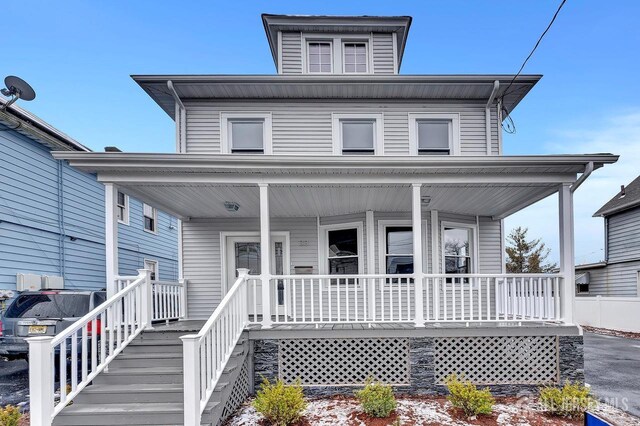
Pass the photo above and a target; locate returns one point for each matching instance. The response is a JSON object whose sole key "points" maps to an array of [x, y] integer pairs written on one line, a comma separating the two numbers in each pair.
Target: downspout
{"points": [[587, 172], [180, 119], [487, 114], [61, 230]]}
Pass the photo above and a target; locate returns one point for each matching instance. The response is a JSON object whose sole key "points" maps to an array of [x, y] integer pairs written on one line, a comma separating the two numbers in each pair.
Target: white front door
{"points": [[244, 252]]}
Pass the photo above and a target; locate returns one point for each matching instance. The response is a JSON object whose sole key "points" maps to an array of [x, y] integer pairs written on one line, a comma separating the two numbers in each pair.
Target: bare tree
{"points": [[526, 255]]}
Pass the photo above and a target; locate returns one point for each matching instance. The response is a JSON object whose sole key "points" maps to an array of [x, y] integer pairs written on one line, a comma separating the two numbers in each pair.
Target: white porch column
{"points": [[371, 265], [111, 236], [265, 256], [416, 209], [567, 261]]}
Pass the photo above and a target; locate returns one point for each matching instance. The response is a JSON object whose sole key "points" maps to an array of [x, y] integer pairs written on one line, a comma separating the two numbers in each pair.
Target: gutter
{"points": [[487, 114], [180, 119], [587, 172], [35, 132]]}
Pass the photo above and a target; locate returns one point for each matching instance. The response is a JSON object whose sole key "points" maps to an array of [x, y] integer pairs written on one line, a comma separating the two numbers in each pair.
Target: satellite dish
{"points": [[17, 88]]}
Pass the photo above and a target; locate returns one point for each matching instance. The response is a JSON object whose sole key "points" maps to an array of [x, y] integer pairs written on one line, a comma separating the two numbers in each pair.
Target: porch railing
{"points": [[169, 300], [86, 347], [320, 299], [205, 355]]}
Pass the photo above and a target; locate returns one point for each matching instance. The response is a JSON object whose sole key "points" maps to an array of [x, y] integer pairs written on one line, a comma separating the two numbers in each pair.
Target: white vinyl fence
{"points": [[615, 313]]}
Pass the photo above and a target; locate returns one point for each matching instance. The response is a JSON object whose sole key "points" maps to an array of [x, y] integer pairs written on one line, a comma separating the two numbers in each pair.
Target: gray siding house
{"points": [[619, 273], [340, 220]]}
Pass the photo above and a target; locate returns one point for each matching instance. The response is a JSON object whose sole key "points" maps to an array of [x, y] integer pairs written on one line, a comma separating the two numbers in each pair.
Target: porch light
{"points": [[425, 200], [231, 206]]}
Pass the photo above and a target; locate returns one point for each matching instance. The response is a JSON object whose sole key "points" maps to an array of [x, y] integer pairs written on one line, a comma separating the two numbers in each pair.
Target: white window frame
{"points": [[226, 142], [125, 210], [382, 240], [367, 53], [473, 246], [155, 219], [155, 269], [378, 134], [323, 238], [332, 65], [454, 129]]}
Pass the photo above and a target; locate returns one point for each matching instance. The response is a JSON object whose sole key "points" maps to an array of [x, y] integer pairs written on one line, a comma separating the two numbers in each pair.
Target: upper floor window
{"points": [[245, 133], [319, 58], [354, 58], [123, 208], [150, 216], [434, 134], [357, 134]]}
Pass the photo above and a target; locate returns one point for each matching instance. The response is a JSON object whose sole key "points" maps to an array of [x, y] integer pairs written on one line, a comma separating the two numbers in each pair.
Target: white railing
{"points": [[169, 300], [318, 299], [85, 348], [205, 355]]}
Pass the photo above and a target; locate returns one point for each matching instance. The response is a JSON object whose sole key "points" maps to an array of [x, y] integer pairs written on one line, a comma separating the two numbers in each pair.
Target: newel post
{"points": [[244, 274], [416, 209], [146, 299], [191, 377], [41, 380], [183, 298]]}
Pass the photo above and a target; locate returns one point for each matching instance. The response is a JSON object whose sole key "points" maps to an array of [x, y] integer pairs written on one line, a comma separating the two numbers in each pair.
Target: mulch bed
{"points": [[609, 332]]}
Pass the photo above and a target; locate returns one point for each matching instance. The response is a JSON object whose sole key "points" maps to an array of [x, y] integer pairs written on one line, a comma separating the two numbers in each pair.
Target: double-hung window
{"points": [[245, 133], [123, 208], [354, 58], [357, 134], [150, 216], [398, 249], [434, 133], [319, 58], [457, 245], [152, 265], [343, 251]]}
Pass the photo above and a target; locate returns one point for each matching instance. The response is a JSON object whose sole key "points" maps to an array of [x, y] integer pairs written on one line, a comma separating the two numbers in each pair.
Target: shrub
{"points": [[571, 400], [10, 416], [377, 399], [466, 396], [280, 404]]}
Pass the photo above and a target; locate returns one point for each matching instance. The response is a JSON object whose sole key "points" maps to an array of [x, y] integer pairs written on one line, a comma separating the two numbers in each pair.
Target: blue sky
{"points": [[79, 55]]}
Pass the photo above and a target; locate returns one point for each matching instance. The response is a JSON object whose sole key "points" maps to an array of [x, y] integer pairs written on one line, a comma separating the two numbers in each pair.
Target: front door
{"points": [[244, 252]]}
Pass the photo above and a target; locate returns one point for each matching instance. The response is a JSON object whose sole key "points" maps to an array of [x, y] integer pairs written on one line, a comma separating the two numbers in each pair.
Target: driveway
{"points": [[14, 382], [612, 368]]}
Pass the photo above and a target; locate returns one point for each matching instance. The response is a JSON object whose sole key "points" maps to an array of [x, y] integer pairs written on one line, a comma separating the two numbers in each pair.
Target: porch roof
{"points": [[196, 186]]}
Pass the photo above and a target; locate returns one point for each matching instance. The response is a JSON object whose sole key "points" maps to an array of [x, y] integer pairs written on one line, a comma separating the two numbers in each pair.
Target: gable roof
{"points": [[35, 128], [620, 202], [336, 24]]}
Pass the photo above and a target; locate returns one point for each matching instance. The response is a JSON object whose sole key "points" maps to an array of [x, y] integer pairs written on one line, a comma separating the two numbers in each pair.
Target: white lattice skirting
{"points": [[344, 362], [498, 360], [239, 393]]}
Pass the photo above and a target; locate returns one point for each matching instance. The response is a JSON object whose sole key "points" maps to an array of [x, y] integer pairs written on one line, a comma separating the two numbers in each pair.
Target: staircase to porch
{"points": [[144, 385]]}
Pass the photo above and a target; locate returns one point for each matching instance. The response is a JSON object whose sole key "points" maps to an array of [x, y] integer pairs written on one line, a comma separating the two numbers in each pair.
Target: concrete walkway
{"points": [[612, 368]]}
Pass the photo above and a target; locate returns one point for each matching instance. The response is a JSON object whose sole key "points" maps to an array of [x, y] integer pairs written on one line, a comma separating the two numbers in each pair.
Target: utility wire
{"points": [[506, 91]]}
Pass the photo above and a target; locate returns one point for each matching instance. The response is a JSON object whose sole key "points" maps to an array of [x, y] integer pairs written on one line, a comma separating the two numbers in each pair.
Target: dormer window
{"points": [[245, 133], [355, 59], [319, 58], [434, 133]]}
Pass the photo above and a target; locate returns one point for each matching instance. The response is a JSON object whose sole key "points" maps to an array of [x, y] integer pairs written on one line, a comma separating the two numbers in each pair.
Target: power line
{"points": [[506, 91]]}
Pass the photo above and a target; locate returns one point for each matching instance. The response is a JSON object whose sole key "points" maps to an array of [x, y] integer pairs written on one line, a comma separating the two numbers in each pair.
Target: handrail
{"points": [[91, 343], [206, 354]]}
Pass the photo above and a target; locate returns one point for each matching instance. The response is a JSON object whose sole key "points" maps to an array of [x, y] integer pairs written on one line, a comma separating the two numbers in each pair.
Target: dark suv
{"points": [[42, 313]]}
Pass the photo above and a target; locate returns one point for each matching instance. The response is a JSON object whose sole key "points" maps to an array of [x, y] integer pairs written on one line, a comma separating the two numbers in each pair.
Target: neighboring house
{"points": [[339, 221], [615, 282], [52, 216]]}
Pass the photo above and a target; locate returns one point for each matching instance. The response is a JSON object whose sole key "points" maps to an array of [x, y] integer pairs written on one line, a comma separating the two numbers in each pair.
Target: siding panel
{"points": [[383, 53], [619, 279], [624, 236], [291, 53]]}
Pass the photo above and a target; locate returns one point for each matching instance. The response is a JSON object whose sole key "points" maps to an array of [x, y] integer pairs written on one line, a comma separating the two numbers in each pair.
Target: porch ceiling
{"points": [[207, 201]]}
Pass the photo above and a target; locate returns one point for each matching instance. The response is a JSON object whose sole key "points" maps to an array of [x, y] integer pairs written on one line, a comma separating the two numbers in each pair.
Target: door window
{"points": [[248, 257]]}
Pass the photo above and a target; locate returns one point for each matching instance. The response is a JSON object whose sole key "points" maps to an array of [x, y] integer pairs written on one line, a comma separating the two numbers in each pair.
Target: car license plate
{"points": [[37, 329]]}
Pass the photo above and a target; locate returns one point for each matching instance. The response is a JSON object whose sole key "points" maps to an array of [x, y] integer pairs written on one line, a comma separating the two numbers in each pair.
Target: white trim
{"points": [[225, 143], [474, 244], [395, 53], [371, 243], [279, 52], [125, 220], [323, 253], [435, 242], [146, 261], [224, 235], [111, 236], [318, 39], [503, 248], [378, 134], [180, 252], [454, 129], [368, 54]]}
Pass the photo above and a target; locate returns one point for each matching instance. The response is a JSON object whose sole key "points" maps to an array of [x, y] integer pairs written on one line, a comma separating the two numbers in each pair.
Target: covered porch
{"points": [[347, 240]]}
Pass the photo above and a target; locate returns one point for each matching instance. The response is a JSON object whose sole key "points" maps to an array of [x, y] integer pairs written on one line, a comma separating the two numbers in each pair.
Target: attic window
{"points": [[355, 58], [319, 57]]}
